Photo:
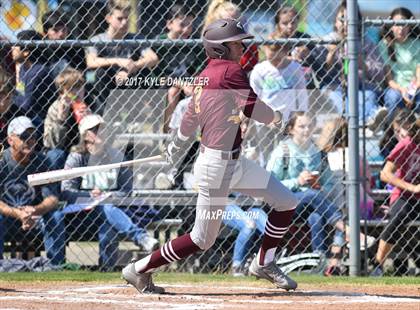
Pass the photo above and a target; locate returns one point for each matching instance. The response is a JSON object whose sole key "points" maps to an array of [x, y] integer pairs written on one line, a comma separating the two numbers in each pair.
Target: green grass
{"points": [[179, 278]]}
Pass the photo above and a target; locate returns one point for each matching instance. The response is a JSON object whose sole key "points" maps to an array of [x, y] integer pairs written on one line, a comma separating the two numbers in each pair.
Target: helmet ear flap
{"points": [[224, 49], [218, 50]]}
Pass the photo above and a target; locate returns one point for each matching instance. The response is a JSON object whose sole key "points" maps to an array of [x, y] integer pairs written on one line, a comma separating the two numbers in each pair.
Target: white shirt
{"points": [[179, 111], [283, 89]]}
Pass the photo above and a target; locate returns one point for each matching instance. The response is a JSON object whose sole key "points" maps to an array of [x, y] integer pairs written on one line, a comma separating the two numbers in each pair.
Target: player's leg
{"points": [[213, 181], [253, 180]]}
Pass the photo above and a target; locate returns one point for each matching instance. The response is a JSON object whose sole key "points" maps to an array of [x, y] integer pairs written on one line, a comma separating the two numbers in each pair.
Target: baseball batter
{"points": [[216, 109]]}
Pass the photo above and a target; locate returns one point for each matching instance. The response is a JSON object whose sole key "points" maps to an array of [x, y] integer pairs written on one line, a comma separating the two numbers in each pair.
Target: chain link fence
{"points": [[107, 81]]}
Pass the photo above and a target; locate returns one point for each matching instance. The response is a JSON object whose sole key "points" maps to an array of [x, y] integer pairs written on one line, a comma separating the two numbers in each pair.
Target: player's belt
{"points": [[226, 155]]}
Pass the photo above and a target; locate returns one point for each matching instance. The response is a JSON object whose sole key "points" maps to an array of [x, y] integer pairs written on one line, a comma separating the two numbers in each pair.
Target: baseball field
{"points": [[94, 290]]}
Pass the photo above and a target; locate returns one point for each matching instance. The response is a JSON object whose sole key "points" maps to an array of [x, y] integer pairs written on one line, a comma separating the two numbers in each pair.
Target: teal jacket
{"points": [[288, 160]]}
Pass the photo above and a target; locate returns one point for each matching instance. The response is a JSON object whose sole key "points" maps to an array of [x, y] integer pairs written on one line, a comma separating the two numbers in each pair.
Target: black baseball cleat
{"points": [[141, 281], [272, 273]]}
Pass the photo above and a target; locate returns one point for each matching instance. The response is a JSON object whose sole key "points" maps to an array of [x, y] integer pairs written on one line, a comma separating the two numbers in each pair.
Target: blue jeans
{"points": [[56, 158], [51, 226], [371, 102], [393, 100], [246, 224], [113, 224], [322, 213]]}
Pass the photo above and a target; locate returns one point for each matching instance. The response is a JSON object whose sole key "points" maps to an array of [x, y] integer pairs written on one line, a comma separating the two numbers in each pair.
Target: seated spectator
{"points": [[399, 48], [331, 62], [112, 222], [333, 143], [113, 65], [176, 61], [280, 83], [34, 86], [60, 127], [21, 205], [297, 162], [218, 9], [8, 110], [55, 27], [402, 171]]}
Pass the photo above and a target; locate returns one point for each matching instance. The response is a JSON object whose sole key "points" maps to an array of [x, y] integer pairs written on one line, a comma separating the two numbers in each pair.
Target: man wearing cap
{"points": [[111, 221], [21, 205]]}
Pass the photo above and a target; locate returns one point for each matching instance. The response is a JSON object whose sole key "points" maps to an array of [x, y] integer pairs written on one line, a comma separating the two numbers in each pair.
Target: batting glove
{"points": [[176, 150]]}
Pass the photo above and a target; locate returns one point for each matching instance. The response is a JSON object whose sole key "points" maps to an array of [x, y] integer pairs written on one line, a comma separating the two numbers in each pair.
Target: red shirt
{"points": [[406, 157], [216, 105]]}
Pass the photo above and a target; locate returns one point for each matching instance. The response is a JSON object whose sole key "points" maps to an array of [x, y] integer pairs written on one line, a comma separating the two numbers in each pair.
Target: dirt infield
{"points": [[84, 296]]}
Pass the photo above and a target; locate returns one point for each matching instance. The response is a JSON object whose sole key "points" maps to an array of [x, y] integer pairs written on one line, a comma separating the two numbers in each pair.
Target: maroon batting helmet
{"points": [[220, 32]]}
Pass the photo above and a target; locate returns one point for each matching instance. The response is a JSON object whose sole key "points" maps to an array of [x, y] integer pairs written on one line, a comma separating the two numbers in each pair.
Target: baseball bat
{"points": [[66, 174]]}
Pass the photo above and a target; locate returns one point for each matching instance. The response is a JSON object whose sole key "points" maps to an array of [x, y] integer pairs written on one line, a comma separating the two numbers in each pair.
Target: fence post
{"points": [[353, 181]]}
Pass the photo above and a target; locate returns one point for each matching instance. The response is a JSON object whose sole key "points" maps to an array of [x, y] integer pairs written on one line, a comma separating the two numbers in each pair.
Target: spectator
{"points": [[401, 170], [60, 128], [21, 204], [299, 165], [8, 110], [82, 192], [399, 48], [175, 61], [225, 9], [279, 81], [286, 24], [35, 86], [331, 62], [333, 143], [113, 65], [55, 27]]}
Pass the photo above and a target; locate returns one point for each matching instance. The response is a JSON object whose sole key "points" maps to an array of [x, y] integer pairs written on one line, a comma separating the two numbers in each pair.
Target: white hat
{"points": [[19, 125], [90, 121]]}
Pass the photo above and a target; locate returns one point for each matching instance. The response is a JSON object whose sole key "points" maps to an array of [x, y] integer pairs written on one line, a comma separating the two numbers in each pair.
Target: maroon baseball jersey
{"points": [[216, 106]]}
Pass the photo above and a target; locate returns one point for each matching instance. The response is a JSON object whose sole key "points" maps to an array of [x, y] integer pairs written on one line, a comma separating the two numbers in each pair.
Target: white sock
{"points": [[142, 263], [269, 256]]}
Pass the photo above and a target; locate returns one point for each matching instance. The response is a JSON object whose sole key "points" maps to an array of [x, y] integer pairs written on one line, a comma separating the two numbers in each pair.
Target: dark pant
{"points": [[402, 212]]}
